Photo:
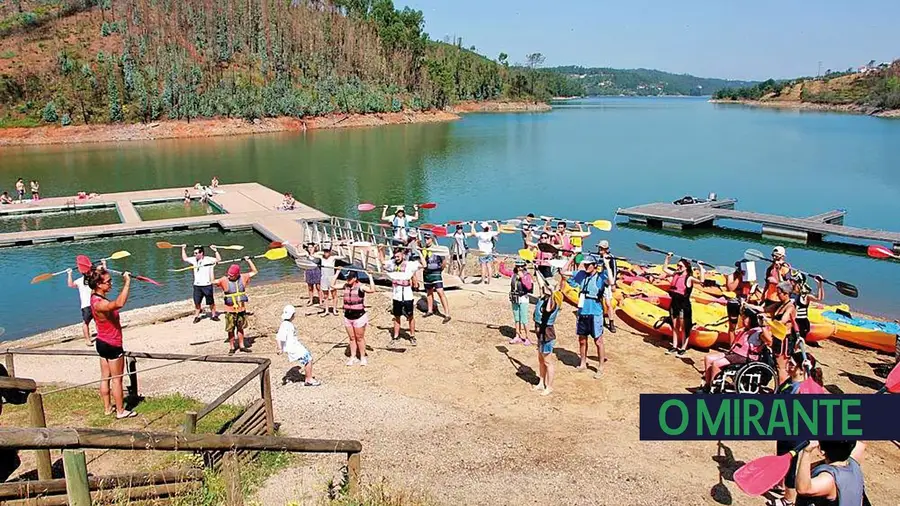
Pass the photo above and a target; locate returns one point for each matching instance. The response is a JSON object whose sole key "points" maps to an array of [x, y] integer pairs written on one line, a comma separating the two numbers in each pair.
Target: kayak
{"points": [[644, 316], [868, 333], [819, 327], [638, 287]]}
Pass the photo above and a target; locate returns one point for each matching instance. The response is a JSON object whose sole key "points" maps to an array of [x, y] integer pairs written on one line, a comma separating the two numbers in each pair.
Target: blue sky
{"points": [[741, 40]]}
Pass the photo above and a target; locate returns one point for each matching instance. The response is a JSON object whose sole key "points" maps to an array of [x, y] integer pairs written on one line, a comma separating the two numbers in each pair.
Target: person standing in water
{"points": [[234, 284], [20, 189], [84, 294], [355, 317], [109, 339], [203, 280]]}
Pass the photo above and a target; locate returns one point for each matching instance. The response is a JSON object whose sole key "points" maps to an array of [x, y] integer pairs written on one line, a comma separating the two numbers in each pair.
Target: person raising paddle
{"points": [[591, 284], [520, 286], [545, 312], [837, 482], [355, 317], [680, 311], [613, 273], [203, 279], [401, 272], [777, 272], [234, 284], [743, 290], [109, 339], [400, 221], [458, 251], [433, 277], [786, 313], [84, 293], [486, 239]]}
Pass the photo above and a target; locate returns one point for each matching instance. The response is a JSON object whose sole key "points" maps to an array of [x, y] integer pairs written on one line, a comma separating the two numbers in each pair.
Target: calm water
{"points": [[179, 209], [64, 219], [582, 161]]}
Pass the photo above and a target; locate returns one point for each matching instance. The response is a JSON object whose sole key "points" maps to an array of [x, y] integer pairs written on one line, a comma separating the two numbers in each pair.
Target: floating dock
{"points": [[244, 206], [810, 229]]}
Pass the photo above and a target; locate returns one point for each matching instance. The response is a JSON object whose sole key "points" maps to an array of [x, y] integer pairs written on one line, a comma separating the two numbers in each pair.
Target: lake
{"points": [[582, 161]]}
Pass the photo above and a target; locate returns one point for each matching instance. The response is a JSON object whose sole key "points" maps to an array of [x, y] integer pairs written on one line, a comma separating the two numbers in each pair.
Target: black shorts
{"points": [[734, 309], [203, 292], [804, 326], [782, 447], [779, 347], [545, 271], [87, 316], [108, 351], [434, 285], [402, 308], [680, 307]]}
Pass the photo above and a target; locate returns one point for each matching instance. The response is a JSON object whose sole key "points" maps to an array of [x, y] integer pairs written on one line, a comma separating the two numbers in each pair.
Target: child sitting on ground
{"points": [[287, 342]]}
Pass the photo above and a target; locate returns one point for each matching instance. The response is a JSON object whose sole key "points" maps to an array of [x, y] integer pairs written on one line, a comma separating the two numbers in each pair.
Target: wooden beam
{"points": [[231, 391], [115, 496], [24, 384], [36, 419], [353, 473], [78, 490], [266, 387], [23, 489], [33, 439], [243, 359], [10, 365], [231, 474], [190, 422]]}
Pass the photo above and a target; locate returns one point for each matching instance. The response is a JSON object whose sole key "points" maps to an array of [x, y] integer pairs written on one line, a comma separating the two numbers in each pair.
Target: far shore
{"points": [[809, 106], [43, 135]]}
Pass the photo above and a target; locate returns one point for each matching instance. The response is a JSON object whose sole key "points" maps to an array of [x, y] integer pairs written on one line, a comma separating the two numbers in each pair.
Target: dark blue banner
{"points": [[769, 417]]}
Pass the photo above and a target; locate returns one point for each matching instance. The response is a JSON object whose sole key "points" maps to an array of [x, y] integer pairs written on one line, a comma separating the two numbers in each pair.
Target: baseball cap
{"points": [[484, 224], [234, 270], [589, 259], [604, 244], [288, 312], [779, 250]]}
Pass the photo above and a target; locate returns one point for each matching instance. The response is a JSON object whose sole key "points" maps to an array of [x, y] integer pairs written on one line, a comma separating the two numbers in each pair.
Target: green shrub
{"points": [[49, 114]]}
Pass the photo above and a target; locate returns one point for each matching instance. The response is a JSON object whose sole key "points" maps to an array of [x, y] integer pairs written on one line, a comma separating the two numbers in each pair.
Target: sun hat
{"points": [[604, 244], [234, 270], [288, 312]]}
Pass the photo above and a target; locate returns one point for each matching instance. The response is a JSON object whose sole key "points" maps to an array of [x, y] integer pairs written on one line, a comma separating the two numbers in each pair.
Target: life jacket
{"points": [[235, 291], [749, 343], [543, 259], [679, 284], [432, 261], [400, 225], [401, 282], [585, 285], [109, 330], [771, 292], [743, 289], [517, 288], [354, 299]]}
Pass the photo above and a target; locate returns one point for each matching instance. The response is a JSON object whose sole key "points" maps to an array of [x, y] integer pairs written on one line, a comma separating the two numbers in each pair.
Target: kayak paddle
{"points": [[892, 383], [45, 276], [366, 206], [118, 255], [527, 255], [235, 247], [189, 267], [168, 245], [427, 226], [138, 277], [83, 263], [507, 229], [272, 254], [881, 252], [759, 475], [604, 225], [841, 286]]}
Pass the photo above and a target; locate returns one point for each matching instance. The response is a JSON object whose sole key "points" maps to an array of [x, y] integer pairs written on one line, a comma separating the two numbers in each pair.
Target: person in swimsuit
{"points": [[84, 294], [837, 482], [545, 312], [400, 221], [433, 277], [355, 317], [786, 313], [109, 339], [20, 189], [777, 272], [680, 311], [35, 190], [234, 284], [5, 198], [187, 196], [215, 182]]}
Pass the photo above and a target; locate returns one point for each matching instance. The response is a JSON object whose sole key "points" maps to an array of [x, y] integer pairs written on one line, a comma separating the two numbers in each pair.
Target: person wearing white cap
{"points": [[603, 252], [776, 273], [591, 282], [287, 342], [486, 246]]}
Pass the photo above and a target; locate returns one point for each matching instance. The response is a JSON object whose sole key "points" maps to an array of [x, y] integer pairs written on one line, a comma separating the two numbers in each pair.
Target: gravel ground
{"points": [[454, 418]]}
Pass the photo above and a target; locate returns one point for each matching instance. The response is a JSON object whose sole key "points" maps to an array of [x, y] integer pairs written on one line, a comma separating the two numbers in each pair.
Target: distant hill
{"points": [[645, 82]]}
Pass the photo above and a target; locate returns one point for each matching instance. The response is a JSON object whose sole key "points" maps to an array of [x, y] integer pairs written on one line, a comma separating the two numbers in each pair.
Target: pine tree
{"points": [[49, 115], [112, 92]]}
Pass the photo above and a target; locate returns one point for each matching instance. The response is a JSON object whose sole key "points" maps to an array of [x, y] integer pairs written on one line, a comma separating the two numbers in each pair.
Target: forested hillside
{"points": [[99, 61], [643, 82]]}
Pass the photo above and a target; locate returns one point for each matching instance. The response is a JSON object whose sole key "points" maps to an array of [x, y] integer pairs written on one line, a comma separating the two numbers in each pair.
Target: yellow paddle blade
{"points": [[276, 254], [118, 255], [164, 245], [235, 247], [507, 229], [778, 329], [527, 255], [182, 269], [603, 225], [41, 277]]}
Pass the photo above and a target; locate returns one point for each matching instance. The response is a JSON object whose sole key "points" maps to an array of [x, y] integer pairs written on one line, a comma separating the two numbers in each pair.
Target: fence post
{"points": [[232, 475], [266, 388], [10, 365], [36, 418], [353, 473], [190, 422], [131, 369], [77, 487]]}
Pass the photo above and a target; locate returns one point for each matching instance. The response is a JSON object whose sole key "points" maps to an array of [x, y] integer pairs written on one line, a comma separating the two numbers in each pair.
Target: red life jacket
{"points": [[679, 283], [748, 343], [354, 299], [543, 259]]}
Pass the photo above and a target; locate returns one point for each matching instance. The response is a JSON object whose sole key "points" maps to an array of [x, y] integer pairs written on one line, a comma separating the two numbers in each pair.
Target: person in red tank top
{"points": [[109, 339]]}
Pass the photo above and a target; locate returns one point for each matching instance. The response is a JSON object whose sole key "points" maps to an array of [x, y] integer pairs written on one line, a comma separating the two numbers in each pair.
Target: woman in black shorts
{"points": [[109, 339]]}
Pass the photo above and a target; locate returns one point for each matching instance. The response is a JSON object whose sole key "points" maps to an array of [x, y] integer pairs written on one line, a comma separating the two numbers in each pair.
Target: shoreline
{"points": [[218, 127], [810, 106]]}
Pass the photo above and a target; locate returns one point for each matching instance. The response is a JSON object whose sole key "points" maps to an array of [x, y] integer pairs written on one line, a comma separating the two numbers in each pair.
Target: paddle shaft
{"points": [[827, 282]]}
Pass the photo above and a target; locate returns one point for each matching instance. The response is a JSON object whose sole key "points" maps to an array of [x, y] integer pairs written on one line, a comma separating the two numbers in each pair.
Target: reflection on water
{"points": [[177, 209], [62, 219]]}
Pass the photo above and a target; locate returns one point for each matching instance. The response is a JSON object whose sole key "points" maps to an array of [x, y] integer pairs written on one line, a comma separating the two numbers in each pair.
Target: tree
{"points": [[112, 91], [533, 61], [503, 59], [871, 63], [49, 115]]}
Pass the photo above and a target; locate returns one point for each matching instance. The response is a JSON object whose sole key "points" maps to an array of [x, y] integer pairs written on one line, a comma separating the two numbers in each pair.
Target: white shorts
{"points": [[607, 294]]}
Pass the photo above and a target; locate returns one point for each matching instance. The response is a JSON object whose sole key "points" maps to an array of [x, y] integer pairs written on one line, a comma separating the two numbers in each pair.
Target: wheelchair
{"points": [[750, 377]]}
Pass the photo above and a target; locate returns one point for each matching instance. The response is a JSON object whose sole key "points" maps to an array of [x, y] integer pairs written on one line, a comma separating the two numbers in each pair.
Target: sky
{"points": [[751, 40]]}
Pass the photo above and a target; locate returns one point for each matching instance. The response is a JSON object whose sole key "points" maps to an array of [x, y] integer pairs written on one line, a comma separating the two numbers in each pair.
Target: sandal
{"points": [[125, 414]]}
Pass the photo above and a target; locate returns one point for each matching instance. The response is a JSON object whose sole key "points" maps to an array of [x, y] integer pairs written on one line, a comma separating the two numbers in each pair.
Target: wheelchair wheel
{"points": [[756, 378]]}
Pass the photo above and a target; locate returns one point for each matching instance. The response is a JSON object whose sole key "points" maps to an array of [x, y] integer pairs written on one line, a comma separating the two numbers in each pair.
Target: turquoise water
{"points": [[176, 209], [63, 219], [583, 161]]}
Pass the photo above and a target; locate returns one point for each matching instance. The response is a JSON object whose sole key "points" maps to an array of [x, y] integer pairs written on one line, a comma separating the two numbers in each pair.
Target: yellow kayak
{"points": [[645, 316]]}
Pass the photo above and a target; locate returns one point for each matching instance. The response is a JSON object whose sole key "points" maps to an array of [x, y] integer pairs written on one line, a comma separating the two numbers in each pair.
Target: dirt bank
{"points": [[500, 106], [455, 419], [809, 106]]}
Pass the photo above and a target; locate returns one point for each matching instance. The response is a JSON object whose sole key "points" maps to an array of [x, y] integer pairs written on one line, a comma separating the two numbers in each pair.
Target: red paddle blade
{"points": [[83, 263], [759, 475], [879, 251], [809, 386], [439, 231], [275, 244], [454, 222], [892, 383], [427, 205], [427, 226], [148, 280], [365, 207]]}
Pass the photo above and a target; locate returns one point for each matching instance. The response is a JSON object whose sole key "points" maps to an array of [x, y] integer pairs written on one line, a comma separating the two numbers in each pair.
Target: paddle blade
{"points": [[439, 231], [41, 277], [507, 229], [759, 475], [754, 255], [427, 205], [546, 218], [603, 225], [809, 386], [515, 222], [276, 244], [233, 247], [276, 254], [879, 251], [427, 226], [644, 247], [454, 222], [847, 289], [365, 207], [182, 269], [164, 245], [892, 383], [83, 263], [145, 279], [527, 255], [547, 247], [118, 255], [305, 263]]}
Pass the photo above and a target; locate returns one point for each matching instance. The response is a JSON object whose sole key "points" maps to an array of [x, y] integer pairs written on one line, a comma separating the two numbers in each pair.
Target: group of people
{"points": [[6, 198]]}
